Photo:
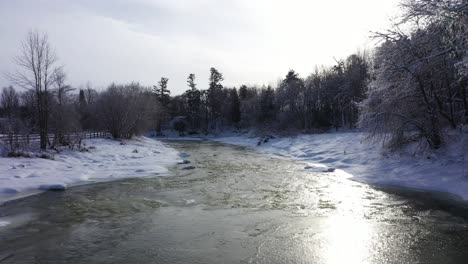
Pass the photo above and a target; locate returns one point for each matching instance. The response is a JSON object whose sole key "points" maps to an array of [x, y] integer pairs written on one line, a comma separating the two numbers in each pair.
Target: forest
{"points": [[411, 87]]}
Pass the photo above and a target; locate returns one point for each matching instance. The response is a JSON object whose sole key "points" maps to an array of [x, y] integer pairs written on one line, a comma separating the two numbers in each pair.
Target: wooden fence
{"points": [[30, 138]]}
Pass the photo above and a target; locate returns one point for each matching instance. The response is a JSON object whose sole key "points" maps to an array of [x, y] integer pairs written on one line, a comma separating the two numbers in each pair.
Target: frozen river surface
{"points": [[236, 206]]}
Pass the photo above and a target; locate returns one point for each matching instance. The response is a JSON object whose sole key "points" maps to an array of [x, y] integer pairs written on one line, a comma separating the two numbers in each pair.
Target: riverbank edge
{"points": [[350, 155], [152, 154]]}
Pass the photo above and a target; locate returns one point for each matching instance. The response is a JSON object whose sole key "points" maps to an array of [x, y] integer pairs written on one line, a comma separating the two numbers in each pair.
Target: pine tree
{"points": [[214, 95], [161, 91], [291, 101], [235, 106], [243, 92], [164, 96], [82, 99], [267, 105], [193, 101]]}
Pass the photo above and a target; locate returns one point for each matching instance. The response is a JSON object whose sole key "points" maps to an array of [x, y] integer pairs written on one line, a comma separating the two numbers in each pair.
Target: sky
{"points": [[251, 42]]}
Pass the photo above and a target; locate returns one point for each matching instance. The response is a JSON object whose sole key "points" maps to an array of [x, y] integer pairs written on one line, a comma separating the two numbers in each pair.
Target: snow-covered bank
{"points": [[445, 170], [106, 160]]}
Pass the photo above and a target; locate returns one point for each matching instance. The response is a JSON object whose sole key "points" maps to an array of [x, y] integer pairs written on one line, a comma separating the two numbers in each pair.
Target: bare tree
{"points": [[125, 110], [28, 109], [64, 116], [36, 67], [9, 101], [90, 94]]}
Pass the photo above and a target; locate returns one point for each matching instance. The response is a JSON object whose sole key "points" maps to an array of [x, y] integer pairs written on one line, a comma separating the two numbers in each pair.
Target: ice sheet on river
{"points": [[352, 155]]}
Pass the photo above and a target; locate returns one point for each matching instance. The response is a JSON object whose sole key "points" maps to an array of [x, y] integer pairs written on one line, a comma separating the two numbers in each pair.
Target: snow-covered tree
{"points": [[417, 89]]}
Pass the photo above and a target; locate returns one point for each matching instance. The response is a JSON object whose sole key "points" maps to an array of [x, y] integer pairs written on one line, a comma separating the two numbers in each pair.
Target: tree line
{"points": [[327, 98], [420, 76], [413, 86]]}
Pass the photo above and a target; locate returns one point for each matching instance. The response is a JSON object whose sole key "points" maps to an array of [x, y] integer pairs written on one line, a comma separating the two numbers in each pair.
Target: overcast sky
{"points": [[249, 41]]}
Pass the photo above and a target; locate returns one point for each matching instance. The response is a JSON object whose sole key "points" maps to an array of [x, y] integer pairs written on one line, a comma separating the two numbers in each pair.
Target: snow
{"points": [[347, 155], [352, 156], [106, 160]]}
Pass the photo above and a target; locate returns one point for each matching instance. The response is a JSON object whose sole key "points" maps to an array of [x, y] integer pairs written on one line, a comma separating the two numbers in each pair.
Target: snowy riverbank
{"points": [[105, 160], [351, 155]]}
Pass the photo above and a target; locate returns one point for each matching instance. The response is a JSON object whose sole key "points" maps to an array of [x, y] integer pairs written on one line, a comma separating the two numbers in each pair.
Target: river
{"points": [[236, 206]]}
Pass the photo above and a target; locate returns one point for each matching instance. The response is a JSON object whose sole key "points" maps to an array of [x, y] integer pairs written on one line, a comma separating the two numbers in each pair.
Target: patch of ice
{"points": [[444, 170], [184, 155], [8, 190], [315, 166], [4, 223], [53, 187]]}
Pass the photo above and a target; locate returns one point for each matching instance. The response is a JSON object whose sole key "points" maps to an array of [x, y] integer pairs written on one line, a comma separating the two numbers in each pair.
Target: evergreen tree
{"points": [[82, 99], [164, 96], [193, 96], [83, 110], [161, 91], [214, 96], [243, 92], [290, 101], [235, 106], [267, 105]]}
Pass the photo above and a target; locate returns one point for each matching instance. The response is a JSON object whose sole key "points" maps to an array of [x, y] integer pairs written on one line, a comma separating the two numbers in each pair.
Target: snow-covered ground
{"points": [[351, 155], [106, 160]]}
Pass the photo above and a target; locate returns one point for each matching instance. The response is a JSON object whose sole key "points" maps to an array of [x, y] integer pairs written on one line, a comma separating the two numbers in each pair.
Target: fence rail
{"points": [[29, 138]]}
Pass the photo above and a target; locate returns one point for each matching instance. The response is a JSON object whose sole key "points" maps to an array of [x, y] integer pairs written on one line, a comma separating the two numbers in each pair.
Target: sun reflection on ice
{"points": [[347, 240], [347, 234]]}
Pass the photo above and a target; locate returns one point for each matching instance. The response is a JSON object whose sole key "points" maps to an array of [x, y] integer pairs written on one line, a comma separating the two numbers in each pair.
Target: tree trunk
{"points": [[465, 101], [42, 120]]}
